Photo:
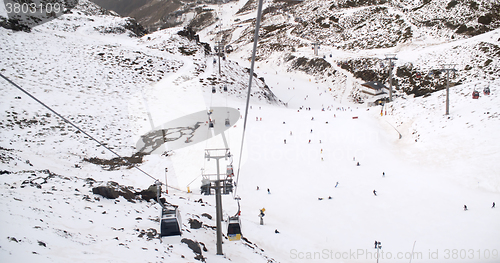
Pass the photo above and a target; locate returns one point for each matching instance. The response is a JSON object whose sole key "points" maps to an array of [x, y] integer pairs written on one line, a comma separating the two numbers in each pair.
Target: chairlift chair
{"points": [[170, 222], [234, 228]]}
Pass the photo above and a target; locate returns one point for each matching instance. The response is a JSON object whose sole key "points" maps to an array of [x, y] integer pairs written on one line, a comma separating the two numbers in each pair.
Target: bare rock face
{"points": [[195, 246], [106, 192], [195, 224], [114, 190]]}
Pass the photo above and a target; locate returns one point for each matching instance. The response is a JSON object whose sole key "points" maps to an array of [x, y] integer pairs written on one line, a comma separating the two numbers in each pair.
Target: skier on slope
{"points": [[375, 192], [261, 215], [465, 208], [493, 206]]}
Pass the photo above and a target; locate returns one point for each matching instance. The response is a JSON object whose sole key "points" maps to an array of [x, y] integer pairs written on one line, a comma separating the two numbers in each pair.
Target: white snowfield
{"points": [[320, 201]]}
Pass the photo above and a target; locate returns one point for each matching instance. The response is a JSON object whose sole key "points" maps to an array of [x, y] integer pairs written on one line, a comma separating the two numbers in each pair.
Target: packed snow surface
{"points": [[417, 166]]}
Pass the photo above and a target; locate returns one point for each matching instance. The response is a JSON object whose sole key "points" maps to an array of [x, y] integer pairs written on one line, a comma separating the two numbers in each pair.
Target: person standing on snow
{"points": [[261, 215], [336, 184], [375, 192], [493, 206], [465, 208]]}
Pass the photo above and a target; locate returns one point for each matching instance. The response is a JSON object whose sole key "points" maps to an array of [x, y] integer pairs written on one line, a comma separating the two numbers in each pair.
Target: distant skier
{"points": [[309, 141], [357, 164], [261, 215], [493, 206], [284, 141], [322, 159], [330, 197], [258, 188], [319, 141], [337, 184], [375, 192], [376, 243], [312, 119], [320, 198], [465, 208], [276, 231], [268, 191], [290, 132], [383, 174], [311, 130], [321, 151]]}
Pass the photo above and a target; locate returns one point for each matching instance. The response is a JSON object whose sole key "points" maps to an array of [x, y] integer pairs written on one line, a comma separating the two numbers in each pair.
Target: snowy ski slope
{"points": [[49, 213]]}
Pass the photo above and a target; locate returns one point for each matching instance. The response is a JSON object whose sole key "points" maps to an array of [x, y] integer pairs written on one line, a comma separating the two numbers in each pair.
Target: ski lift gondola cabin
{"points": [[230, 171], [475, 94], [234, 228], [486, 91], [170, 222]]}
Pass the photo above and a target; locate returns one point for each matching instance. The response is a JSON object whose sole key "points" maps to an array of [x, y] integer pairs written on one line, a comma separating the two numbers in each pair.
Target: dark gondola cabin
{"points": [[170, 222], [486, 91], [234, 228]]}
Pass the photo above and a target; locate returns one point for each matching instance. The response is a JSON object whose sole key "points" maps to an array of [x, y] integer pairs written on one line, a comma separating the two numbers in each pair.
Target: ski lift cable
{"points": [[82, 131], [256, 39]]}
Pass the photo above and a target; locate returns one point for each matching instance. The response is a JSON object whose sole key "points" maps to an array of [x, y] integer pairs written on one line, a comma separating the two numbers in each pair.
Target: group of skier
{"points": [[465, 206]]}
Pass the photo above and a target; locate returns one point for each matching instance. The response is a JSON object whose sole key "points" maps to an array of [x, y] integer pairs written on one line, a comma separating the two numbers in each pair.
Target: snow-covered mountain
{"points": [[95, 69]]}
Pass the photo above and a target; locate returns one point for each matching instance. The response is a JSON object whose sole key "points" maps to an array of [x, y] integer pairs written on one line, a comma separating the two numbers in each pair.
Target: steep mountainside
{"points": [[291, 27]]}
